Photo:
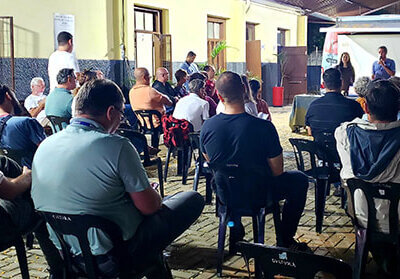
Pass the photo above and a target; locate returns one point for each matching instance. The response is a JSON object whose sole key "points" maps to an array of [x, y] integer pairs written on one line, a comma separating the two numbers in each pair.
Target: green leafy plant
{"points": [[283, 63], [251, 76], [218, 48]]}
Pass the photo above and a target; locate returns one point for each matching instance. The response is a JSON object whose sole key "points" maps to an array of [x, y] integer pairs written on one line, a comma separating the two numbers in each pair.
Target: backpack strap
{"points": [[3, 122]]}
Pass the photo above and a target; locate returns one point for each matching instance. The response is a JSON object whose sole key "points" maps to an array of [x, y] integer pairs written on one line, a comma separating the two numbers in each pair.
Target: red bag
{"points": [[176, 131]]}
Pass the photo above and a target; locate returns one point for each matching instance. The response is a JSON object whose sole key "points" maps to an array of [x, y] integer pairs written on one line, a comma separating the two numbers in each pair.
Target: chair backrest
{"points": [[137, 138], [78, 226], [372, 192], [287, 263], [148, 120], [301, 147], [58, 123], [16, 155], [242, 190], [176, 131]]}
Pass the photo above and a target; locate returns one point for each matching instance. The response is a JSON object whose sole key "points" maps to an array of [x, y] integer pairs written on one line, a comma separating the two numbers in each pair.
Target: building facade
{"points": [[117, 35]]}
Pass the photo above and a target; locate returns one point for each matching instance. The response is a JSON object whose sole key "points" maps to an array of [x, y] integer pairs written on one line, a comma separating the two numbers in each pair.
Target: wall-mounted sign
{"points": [[63, 23]]}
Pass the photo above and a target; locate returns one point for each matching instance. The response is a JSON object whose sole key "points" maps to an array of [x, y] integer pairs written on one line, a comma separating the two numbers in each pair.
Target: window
{"points": [[147, 20], [250, 31], [281, 37], [215, 36]]}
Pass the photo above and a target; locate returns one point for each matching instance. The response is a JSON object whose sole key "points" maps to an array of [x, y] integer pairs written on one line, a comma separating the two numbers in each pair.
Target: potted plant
{"points": [[278, 91]]}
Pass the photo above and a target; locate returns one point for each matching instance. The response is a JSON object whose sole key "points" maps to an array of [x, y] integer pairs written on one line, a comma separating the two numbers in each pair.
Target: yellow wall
{"points": [[268, 20], [98, 29]]}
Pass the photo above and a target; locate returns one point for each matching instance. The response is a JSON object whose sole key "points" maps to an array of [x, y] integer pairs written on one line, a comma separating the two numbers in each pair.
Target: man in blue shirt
{"points": [[384, 68], [236, 137], [59, 101], [189, 66], [19, 133], [94, 171]]}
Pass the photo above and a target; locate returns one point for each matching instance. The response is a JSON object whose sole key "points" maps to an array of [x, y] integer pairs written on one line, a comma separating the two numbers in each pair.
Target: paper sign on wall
{"points": [[63, 23]]}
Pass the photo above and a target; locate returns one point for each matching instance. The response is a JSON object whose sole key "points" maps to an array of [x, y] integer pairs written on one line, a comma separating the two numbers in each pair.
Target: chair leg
{"points": [[223, 220], [361, 253], [196, 177], [261, 226], [278, 224], [208, 188], [343, 196], [160, 177], [256, 236], [185, 165], [167, 163], [21, 255], [320, 197], [29, 240]]}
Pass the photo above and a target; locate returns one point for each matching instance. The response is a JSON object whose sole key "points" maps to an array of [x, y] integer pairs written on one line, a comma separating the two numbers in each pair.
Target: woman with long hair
{"points": [[347, 71]]}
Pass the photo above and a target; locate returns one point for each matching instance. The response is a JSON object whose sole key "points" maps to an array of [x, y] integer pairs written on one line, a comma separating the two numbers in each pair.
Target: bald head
{"points": [[162, 75], [230, 87], [142, 76]]}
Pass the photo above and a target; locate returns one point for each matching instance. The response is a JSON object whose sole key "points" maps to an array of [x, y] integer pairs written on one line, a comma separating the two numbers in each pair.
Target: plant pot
{"points": [[277, 96]]}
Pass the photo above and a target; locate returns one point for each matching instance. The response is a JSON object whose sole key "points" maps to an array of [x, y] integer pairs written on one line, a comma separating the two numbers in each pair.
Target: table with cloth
{"points": [[300, 106]]}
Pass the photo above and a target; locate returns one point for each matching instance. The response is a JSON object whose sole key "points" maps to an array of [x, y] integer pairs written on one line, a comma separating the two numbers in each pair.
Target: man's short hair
{"points": [[191, 54], [383, 100], [197, 76], [196, 85], [208, 68], [332, 79], [63, 74], [361, 86], [180, 74], [63, 38], [96, 96], [36, 81], [230, 87], [384, 48]]}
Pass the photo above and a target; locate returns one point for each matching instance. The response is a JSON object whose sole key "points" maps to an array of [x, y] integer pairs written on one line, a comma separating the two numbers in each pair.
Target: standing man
{"points": [[35, 102], [189, 66], [59, 101], [385, 67], [62, 58]]}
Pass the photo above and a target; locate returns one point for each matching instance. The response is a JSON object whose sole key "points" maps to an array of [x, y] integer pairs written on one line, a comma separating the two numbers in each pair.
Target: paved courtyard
{"points": [[193, 255]]}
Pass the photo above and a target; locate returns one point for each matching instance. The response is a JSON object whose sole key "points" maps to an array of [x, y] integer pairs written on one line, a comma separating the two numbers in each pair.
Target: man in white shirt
{"points": [[35, 102], [193, 107], [62, 58]]}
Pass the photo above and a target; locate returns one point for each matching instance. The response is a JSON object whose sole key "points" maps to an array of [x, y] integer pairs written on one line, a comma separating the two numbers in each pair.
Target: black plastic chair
{"points": [[201, 166], [18, 243], [58, 123], [78, 226], [243, 192], [318, 170], [366, 237], [147, 161], [274, 261], [146, 119], [14, 154]]}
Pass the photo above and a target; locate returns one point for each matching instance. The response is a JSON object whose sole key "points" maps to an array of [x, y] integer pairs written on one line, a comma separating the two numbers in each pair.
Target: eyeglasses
{"points": [[121, 111]]}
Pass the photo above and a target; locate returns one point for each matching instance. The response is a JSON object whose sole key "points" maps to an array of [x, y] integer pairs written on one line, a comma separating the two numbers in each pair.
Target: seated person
{"points": [[18, 215], [193, 107], [249, 103], [35, 102], [181, 78], [236, 137], [370, 150], [143, 97], [211, 104], [20, 133], [360, 87], [262, 106], [116, 185], [210, 83], [162, 85], [59, 101]]}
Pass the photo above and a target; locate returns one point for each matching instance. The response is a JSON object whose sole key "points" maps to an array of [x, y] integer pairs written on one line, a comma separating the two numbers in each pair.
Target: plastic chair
{"points": [[366, 237], [318, 170], [58, 123], [78, 226], [18, 243], [201, 166], [236, 189], [146, 121], [274, 261], [147, 161], [16, 155]]}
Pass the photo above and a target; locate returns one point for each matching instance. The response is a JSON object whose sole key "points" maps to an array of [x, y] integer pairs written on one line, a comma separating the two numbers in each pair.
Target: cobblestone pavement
{"points": [[193, 255]]}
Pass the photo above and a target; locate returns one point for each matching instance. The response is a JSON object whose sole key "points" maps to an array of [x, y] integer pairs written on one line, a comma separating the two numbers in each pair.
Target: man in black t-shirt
{"points": [[235, 137]]}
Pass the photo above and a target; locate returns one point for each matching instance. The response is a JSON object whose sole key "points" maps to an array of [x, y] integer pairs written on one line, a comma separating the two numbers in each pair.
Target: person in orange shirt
{"points": [[143, 97]]}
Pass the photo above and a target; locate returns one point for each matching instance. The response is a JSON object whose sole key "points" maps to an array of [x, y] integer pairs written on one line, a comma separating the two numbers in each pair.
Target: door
{"points": [[253, 58], [145, 51], [295, 81], [163, 52]]}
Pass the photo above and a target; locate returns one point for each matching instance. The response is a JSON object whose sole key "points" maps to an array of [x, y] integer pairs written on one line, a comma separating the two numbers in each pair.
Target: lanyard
{"points": [[84, 123]]}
